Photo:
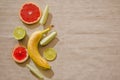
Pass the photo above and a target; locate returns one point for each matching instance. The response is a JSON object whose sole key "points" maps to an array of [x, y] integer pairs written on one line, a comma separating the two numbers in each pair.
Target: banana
{"points": [[33, 48]]}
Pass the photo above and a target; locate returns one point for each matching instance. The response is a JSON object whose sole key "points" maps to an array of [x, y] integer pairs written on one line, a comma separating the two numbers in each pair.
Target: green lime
{"points": [[19, 33], [49, 54]]}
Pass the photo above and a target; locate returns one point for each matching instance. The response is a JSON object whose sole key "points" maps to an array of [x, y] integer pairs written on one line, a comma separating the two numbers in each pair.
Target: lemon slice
{"points": [[49, 54], [19, 33]]}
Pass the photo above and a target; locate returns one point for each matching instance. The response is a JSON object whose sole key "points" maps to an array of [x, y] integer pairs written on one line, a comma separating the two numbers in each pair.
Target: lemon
{"points": [[49, 54], [19, 33]]}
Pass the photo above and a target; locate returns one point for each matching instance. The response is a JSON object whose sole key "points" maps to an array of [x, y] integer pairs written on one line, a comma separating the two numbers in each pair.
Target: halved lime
{"points": [[19, 33], [49, 54]]}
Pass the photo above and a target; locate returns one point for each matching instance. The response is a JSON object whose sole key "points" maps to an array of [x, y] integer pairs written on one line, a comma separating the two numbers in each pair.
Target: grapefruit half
{"points": [[19, 54], [30, 13]]}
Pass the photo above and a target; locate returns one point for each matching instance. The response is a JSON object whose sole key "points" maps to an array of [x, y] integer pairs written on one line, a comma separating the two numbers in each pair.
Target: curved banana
{"points": [[33, 49]]}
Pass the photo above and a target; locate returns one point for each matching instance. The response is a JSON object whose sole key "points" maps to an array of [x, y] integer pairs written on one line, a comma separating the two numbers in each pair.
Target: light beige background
{"points": [[88, 41]]}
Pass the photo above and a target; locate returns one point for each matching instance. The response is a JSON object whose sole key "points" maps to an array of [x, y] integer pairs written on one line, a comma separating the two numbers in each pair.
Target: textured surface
{"points": [[88, 41]]}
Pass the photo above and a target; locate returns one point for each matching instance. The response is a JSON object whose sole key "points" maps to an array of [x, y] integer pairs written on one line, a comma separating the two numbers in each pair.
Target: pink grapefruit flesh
{"points": [[30, 13], [20, 54]]}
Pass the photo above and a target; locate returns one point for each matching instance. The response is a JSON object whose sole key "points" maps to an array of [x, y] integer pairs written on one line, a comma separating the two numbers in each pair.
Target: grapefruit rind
{"points": [[32, 22], [19, 61]]}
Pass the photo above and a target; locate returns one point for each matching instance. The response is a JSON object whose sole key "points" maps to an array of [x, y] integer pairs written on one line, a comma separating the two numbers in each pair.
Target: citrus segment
{"points": [[20, 54], [19, 33], [49, 54], [30, 13]]}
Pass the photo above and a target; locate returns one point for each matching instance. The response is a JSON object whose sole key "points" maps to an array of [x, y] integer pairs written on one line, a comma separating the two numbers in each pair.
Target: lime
{"points": [[49, 54], [19, 33]]}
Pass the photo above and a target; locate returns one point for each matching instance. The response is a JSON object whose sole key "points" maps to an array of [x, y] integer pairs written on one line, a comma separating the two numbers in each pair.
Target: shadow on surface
{"points": [[32, 26], [24, 41], [24, 64], [36, 76], [46, 73]]}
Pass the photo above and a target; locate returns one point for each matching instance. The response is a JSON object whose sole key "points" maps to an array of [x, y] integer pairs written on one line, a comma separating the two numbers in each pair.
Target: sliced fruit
{"points": [[19, 33], [35, 71], [30, 13], [49, 54], [20, 54], [45, 15], [48, 38], [33, 49]]}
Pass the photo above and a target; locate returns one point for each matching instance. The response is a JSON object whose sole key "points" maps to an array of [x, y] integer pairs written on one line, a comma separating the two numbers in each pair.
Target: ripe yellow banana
{"points": [[33, 49]]}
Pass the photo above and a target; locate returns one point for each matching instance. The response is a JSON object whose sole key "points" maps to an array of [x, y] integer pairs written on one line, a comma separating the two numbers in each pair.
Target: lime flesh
{"points": [[19, 33], [49, 54]]}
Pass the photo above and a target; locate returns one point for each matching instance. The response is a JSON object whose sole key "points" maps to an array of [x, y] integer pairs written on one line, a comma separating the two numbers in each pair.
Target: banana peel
{"points": [[32, 47]]}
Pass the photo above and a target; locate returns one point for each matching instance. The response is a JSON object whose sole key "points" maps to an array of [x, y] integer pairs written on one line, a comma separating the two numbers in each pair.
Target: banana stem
{"points": [[48, 29]]}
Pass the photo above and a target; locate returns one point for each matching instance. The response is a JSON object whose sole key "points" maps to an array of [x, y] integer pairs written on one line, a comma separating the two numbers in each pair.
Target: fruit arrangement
{"points": [[30, 13], [33, 48]]}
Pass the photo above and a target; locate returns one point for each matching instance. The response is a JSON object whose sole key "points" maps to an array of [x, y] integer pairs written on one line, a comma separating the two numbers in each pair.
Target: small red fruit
{"points": [[20, 54], [30, 13]]}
